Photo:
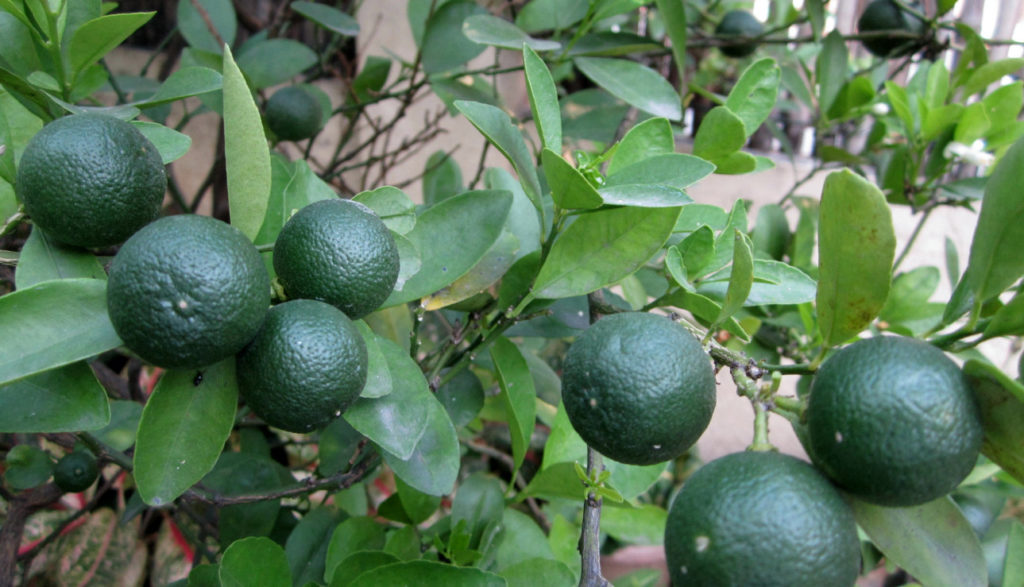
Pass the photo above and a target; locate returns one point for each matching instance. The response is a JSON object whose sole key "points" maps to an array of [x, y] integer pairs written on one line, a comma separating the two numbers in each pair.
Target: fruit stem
{"points": [[102, 450], [761, 442], [590, 534]]}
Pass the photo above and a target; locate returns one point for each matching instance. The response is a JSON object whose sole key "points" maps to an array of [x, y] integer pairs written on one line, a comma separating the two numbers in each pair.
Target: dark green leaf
{"points": [[648, 139], [517, 393], [831, 69], [96, 38], [43, 259], [171, 144], [706, 310], [422, 572], [462, 397], [484, 274], [995, 261], [444, 46], [539, 571], [328, 17], [352, 535], [306, 547], [442, 178], [338, 444], [477, 217], [673, 15], [602, 247], [391, 204], [417, 505], [1001, 400], [771, 231], [498, 32], [183, 429], [612, 44], [395, 422], [27, 467], [358, 563], [119, 433], [933, 542], [641, 525], [404, 543], [499, 130], [66, 399], [672, 169], [543, 96], [57, 323], [434, 464], [478, 504], [753, 97], [247, 157], [254, 561], [269, 62], [634, 84], [856, 246], [546, 15], [192, 24], [569, 189], [720, 134]]}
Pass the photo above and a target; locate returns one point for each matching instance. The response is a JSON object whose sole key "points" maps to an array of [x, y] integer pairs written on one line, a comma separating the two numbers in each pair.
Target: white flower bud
{"points": [[880, 109]]}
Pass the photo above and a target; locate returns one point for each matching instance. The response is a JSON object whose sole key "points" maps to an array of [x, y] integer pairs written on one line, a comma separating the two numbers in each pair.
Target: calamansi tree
{"points": [[331, 384]]}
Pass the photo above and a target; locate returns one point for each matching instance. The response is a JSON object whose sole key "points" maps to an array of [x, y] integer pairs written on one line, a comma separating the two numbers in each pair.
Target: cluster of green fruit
{"points": [[889, 30], [889, 420], [188, 291]]}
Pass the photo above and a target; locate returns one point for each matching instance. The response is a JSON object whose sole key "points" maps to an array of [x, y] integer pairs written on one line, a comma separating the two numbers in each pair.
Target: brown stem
{"points": [[18, 510]]}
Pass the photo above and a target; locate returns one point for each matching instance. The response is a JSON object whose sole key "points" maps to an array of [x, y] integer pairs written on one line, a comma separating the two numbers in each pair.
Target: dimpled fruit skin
{"points": [[75, 471], [293, 114], [638, 387], [739, 23], [892, 420], [91, 180], [187, 291], [306, 366], [760, 518], [339, 252], [884, 15]]}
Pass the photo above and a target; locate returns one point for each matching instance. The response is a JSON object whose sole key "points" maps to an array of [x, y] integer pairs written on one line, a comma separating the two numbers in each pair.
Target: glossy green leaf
{"points": [[736, 220], [393, 207], [479, 503], [1001, 400], [358, 563], [697, 250], [771, 231], [491, 267], [27, 467], [856, 246], [378, 376], [119, 433], [539, 571], [696, 215], [269, 62], [433, 466], [545, 15], [995, 261], [1008, 320], [676, 170], [499, 130], [706, 310], [254, 561], [328, 17], [306, 548], [517, 394], [183, 429], [247, 157], [569, 188], [395, 422], [673, 15], [634, 84], [647, 139], [989, 73], [57, 323], [193, 24], [720, 134], [417, 505], [477, 217], [444, 46], [350, 536], [66, 399], [442, 178], [94, 39], [523, 540], [602, 247], [644, 196], [973, 124], [43, 259], [741, 277], [423, 572], [641, 525], [171, 144], [831, 69], [775, 283], [293, 187], [540, 88], [950, 556], [753, 97], [498, 32]]}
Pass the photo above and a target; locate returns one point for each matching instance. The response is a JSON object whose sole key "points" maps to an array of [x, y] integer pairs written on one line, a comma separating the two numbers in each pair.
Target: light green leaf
{"points": [[358, 563], [328, 17], [644, 196], [27, 467], [831, 69], [247, 157], [602, 247], [1013, 564], [477, 217], [523, 541], [933, 542], [676, 170], [306, 548], [423, 572], [442, 178], [540, 88], [94, 39], [856, 246], [720, 134], [498, 32], [254, 561], [433, 466], [634, 84], [775, 283], [43, 259], [378, 376], [183, 429], [517, 394], [65, 399], [648, 139], [444, 46], [989, 73], [641, 525], [391, 204], [696, 215], [753, 97], [569, 189], [546, 15], [673, 15], [193, 24], [269, 62], [995, 261], [499, 130], [741, 278], [539, 571], [57, 323], [351, 536], [491, 267], [171, 144], [1001, 401]]}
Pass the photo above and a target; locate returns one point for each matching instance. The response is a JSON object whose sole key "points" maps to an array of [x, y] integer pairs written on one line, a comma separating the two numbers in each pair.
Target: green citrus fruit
{"points": [[91, 180], [893, 421], [739, 23], [339, 252], [187, 291], [886, 15], [75, 471], [293, 114], [305, 367], [760, 518], [638, 387]]}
